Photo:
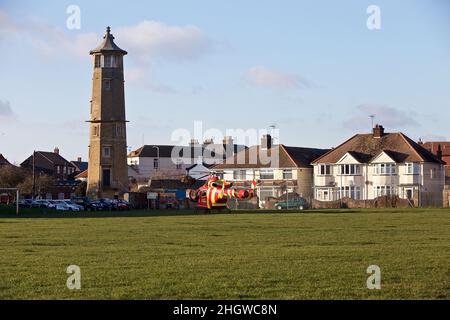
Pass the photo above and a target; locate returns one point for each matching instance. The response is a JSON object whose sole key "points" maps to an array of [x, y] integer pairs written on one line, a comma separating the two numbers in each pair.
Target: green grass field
{"points": [[243, 255]]}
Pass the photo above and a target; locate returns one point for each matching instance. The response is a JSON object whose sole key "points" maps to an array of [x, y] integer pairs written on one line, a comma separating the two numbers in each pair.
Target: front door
{"points": [[106, 177], [409, 194]]}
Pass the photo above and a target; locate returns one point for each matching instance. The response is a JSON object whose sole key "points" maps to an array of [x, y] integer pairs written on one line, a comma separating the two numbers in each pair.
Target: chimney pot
{"points": [[378, 131], [79, 159], [56, 150]]}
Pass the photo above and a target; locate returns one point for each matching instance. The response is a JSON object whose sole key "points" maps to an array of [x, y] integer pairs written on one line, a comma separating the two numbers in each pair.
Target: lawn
{"points": [[242, 255]]}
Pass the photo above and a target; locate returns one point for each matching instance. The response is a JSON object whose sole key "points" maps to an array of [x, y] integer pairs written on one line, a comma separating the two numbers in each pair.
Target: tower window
{"points": [[118, 130], [106, 152], [95, 131], [97, 61], [107, 85], [106, 177], [108, 61]]}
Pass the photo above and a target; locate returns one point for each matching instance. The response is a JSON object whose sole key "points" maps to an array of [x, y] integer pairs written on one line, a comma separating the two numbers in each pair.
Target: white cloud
{"points": [[387, 116], [260, 75], [153, 39], [7, 25]]}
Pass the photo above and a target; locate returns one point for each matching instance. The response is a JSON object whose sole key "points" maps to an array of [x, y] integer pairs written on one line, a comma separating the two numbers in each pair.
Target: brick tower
{"points": [[108, 170]]}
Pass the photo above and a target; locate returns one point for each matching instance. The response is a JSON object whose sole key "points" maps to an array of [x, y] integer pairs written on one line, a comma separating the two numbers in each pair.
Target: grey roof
{"points": [[46, 160], [108, 45], [81, 165], [193, 151]]}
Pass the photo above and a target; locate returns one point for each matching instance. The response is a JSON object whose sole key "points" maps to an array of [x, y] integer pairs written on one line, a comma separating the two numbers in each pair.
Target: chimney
{"points": [[420, 142], [266, 141], [439, 152], [208, 141], [56, 150], [227, 140], [79, 159], [378, 131]]}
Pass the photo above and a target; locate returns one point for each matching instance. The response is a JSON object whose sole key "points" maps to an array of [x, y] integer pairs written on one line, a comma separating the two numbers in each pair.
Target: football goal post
{"points": [[8, 192]]}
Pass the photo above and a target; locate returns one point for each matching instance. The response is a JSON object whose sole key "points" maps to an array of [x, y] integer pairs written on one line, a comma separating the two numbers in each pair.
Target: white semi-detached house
{"points": [[290, 170], [377, 164]]}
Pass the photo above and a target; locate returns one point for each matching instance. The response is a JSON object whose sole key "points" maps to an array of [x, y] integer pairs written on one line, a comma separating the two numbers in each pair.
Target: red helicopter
{"points": [[215, 193]]}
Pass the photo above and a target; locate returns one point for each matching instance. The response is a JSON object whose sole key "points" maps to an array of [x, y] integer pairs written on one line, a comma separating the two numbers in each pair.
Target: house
{"points": [[172, 162], [3, 161], [442, 150], [277, 168], [54, 165], [50, 163], [79, 165], [367, 166]]}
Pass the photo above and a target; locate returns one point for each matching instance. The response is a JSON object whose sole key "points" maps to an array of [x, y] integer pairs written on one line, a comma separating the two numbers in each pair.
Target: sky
{"points": [[313, 69]]}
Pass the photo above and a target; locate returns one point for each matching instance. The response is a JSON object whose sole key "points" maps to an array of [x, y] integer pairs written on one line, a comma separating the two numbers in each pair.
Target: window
{"points": [[58, 169], [411, 168], [323, 194], [106, 152], [385, 168], [64, 170], [324, 169], [155, 163], [383, 191], [432, 173], [118, 130], [107, 85], [106, 177], [353, 192], [239, 174], [108, 61], [97, 61], [266, 174], [287, 174], [350, 169], [95, 131]]}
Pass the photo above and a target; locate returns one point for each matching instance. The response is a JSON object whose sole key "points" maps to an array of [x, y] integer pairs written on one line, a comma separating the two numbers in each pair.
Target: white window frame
{"points": [[288, 174], [324, 170], [353, 192], [353, 169], [106, 154], [263, 173], [412, 168]]}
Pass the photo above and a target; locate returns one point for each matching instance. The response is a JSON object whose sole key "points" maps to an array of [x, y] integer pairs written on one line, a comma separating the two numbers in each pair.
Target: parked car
{"points": [[121, 204], [295, 203], [108, 204], [42, 203], [62, 203], [81, 201], [61, 206], [95, 205], [25, 203], [73, 206]]}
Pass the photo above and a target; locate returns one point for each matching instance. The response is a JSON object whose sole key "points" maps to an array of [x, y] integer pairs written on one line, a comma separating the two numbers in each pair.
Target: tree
{"points": [[43, 184], [11, 176], [80, 190]]}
